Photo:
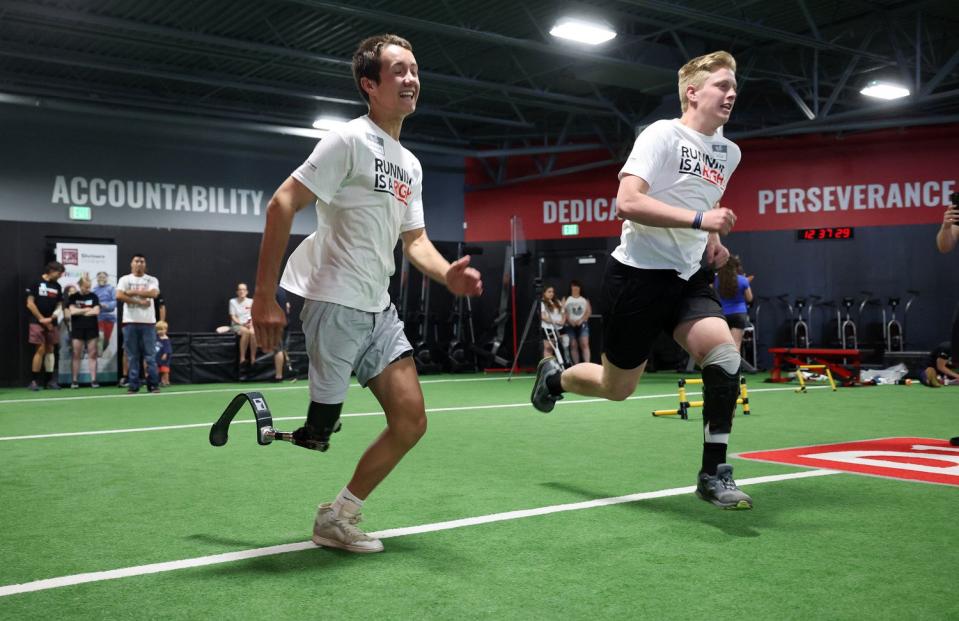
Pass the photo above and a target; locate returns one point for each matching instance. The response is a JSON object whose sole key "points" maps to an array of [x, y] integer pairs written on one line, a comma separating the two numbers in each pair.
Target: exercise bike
{"points": [[893, 331], [750, 344], [800, 326], [847, 327]]}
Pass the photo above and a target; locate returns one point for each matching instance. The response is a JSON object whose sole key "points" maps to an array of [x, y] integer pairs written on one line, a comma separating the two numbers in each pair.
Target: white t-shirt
{"points": [[130, 284], [683, 169], [575, 307], [555, 315], [369, 189], [242, 310]]}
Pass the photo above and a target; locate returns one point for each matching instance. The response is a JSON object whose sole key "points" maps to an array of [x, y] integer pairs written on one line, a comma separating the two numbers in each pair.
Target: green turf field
{"points": [[94, 481]]}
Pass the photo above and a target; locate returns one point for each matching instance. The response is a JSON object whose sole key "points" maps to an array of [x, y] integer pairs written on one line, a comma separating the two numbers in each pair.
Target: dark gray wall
{"points": [[190, 166]]}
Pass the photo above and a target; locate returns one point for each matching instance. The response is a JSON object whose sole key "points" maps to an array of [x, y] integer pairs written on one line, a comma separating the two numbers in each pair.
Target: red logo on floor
{"points": [[914, 459]]}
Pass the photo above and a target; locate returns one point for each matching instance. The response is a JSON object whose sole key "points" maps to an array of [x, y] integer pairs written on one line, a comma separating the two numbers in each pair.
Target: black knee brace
{"points": [[720, 392]]}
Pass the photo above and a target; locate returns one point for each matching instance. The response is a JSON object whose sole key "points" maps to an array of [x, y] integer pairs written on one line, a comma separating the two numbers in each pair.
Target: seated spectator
{"points": [[241, 322], [84, 308], [164, 352], [938, 372]]}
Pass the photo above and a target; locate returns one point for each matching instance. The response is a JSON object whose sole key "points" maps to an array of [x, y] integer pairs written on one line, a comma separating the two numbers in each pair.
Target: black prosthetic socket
{"points": [[720, 392], [322, 420]]}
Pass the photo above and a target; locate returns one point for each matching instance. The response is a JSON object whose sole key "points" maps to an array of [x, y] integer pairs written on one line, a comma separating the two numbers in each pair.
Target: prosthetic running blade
{"points": [[265, 433]]}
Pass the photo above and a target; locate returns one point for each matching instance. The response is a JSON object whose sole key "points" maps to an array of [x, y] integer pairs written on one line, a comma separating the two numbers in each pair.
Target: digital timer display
{"points": [[827, 232]]}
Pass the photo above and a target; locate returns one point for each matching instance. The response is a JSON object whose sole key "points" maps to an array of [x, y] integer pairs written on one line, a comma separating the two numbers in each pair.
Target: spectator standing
{"points": [[84, 307], [159, 306], [164, 352], [138, 291], [735, 293], [578, 311], [107, 295], [44, 299], [553, 317]]}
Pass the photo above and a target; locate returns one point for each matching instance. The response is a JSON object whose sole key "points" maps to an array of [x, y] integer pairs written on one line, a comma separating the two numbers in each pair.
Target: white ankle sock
{"points": [[346, 504]]}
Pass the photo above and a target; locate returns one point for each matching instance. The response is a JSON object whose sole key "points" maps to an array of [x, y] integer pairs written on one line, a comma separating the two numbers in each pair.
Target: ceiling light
{"points": [[592, 33], [327, 123], [884, 90]]}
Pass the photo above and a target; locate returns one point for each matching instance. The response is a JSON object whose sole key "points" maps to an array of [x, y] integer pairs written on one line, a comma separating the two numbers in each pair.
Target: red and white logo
{"points": [[70, 256], [914, 459]]}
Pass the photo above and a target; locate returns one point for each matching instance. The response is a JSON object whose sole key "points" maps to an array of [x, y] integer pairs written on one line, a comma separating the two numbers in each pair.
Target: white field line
{"points": [[215, 559], [238, 388], [104, 432]]}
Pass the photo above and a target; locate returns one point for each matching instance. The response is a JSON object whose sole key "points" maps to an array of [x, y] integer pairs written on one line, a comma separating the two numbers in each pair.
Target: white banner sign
{"points": [[98, 262]]}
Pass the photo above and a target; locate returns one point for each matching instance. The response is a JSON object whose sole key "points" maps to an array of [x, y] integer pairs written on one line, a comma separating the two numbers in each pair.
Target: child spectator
{"points": [[164, 352]]}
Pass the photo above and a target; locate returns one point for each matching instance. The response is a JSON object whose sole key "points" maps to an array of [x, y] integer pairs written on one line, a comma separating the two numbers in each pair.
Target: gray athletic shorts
{"points": [[340, 340]]}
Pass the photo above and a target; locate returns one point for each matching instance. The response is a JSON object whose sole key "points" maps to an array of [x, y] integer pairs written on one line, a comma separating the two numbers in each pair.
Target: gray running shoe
{"points": [[721, 490], [342, 533], [542, 399]]}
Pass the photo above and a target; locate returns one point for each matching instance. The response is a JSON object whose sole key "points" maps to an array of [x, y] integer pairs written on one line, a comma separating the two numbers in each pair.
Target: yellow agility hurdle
{"points": [[685, 404], [802, 382]]}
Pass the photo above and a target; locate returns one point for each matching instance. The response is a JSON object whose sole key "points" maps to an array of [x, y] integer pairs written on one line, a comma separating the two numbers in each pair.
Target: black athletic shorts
{"points": [[84, 334], [738, 320], [640, 303]]}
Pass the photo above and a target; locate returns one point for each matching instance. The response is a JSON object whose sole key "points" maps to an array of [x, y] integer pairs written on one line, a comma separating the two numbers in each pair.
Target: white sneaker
{"points": [[342, 533]]}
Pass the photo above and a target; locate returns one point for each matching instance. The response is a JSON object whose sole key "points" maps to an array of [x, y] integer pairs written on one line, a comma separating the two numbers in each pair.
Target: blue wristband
{"points": [[698, 220]]}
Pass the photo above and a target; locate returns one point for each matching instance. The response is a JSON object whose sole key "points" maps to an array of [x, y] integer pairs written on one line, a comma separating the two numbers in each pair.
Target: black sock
{"points": [[555, 384], [38, 377], [714, 453]]}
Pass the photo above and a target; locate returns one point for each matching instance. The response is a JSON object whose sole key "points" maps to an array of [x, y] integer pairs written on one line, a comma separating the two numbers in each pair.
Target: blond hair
{"points": [[695, 72], [162, 325]]}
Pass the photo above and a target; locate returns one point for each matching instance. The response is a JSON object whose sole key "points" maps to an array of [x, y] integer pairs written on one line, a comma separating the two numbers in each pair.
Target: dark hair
{"points": [[366, 58], [138, 254], [575, 283], [728, 277], [54, 266]]}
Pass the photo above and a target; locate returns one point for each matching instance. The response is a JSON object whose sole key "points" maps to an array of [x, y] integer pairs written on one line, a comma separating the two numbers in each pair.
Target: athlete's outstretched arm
{"points": [[459, 277], [268, 317]]}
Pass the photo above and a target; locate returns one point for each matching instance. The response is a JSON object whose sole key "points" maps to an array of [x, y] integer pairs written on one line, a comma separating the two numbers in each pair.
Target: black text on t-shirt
{"points": [[392, 179], [695, 162]]}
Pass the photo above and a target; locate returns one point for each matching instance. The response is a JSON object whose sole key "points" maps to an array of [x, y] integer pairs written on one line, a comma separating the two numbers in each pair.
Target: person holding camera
{"points": [[946, 241]]}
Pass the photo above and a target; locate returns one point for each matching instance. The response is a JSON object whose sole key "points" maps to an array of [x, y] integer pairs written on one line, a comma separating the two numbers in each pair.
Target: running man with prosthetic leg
{"points": [[669, 193], [368, 193]]}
